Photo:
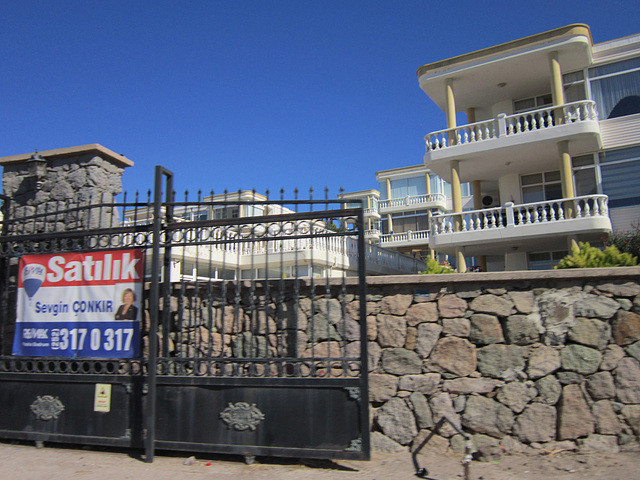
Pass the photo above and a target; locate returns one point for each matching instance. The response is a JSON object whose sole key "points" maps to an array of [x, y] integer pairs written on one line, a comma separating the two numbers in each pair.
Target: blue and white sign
{"points": [[80, 305]]}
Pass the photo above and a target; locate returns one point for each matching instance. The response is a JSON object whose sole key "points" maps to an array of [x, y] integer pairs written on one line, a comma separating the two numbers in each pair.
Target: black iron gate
{"points": [[252, 319]]}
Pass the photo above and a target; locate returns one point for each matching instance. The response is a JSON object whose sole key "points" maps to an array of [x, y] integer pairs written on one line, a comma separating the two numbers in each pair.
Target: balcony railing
{"points": [[405, 237], [506, 125], [371, 212], [511, 215], [414, 200]]}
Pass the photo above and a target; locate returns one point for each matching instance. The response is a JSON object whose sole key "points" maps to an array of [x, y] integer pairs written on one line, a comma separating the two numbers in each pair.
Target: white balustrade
{"points": [[515, 216], [543, 118], [412, 200], [419, 235]]}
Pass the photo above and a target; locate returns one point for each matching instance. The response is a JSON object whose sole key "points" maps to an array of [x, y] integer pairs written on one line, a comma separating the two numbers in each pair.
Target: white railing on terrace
{"points": [[319, 248], [374, 232], [371, 211], [520, 215], [412, 200], [419, 235], [505, 125]]}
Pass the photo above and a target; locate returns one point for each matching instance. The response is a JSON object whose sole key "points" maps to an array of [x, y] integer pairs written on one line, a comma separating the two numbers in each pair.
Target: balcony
{"points": [[371, 213], [537, 225], [405, 239], [509, 143], [415, 202], [373, 234]]}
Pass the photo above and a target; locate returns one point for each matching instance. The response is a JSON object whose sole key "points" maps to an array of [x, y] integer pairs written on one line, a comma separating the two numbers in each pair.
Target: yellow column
{"points": [[477, 194], [456, 194], [566, 172], [557, 91], [427, 180], [566, 177], [451, 103], [455, 168], [389, 221], [471, 115]]}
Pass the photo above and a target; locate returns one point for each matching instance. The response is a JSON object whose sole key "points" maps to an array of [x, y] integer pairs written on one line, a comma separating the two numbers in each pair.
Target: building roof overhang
{"points": [[484, 77]]}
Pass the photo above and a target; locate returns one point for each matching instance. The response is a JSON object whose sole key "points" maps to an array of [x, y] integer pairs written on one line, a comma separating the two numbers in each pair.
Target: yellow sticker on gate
{"points": [[102, 400]]}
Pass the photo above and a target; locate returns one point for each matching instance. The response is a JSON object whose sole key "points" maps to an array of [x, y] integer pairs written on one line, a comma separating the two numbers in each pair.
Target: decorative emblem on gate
{"points": [[242, 416], [47, 408], [355, 445], [354, 392]]}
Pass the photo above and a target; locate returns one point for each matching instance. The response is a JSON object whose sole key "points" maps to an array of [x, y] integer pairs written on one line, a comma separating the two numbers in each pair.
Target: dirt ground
{"points": [[22, 461]]}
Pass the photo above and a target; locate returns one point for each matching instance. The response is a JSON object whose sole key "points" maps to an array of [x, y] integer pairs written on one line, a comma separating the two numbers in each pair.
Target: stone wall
{"points": [[71, 181], [523, 361]]}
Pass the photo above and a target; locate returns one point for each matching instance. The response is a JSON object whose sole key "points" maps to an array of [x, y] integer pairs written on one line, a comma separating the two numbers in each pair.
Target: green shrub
{"points": [[586, 256], [626, 242], [434, 267]]}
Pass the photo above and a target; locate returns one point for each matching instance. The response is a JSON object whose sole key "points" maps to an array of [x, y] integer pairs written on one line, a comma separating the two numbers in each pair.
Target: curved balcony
{"points": [[373, 234], [414, 202], [481, 230], [487, 147], [371, 213]]}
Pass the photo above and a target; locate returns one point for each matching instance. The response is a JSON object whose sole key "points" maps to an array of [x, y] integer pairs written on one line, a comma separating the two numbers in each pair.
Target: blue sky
{"points": [[251, 94]]}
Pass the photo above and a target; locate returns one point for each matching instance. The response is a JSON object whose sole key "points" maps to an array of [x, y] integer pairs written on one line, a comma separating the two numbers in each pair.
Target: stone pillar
{"points": [[75, 177]]}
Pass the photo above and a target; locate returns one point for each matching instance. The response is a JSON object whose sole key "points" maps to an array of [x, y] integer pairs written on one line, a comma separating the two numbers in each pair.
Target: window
{"points": [[545, 260], [574, 87], [620, 170], [195, 215], [540, 187], [413, 221], [440, 186], [616, 88], [532, 103], [584, 174], [574, 91], [228, 212], [408, 187]]}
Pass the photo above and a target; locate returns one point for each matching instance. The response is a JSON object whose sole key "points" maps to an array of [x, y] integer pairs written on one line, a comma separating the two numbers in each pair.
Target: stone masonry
{"points": [[76, 176], [524, 362]]}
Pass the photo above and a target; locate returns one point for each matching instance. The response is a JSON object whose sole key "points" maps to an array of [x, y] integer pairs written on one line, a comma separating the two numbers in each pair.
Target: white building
{"points": [[550, 150], [248, 244]]}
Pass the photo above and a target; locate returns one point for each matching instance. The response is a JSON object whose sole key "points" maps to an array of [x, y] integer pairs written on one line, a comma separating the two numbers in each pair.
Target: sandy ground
{"points": [[25, 462]]}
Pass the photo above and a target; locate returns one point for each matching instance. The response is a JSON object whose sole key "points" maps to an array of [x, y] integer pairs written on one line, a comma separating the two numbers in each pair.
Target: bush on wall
{"points": [[626, 242], [586, 256]]}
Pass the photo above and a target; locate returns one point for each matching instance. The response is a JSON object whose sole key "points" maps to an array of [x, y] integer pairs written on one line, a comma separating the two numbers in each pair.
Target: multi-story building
{"points": [[551, 151], [410, 197], [552, 136]]}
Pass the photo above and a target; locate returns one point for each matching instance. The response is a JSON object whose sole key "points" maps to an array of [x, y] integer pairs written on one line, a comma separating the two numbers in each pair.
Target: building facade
{"points": [[549, 155]]}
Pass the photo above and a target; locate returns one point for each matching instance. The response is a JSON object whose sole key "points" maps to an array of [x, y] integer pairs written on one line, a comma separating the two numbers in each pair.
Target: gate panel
{"points": [[285, 420], [61, 408], [252, 326]]}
